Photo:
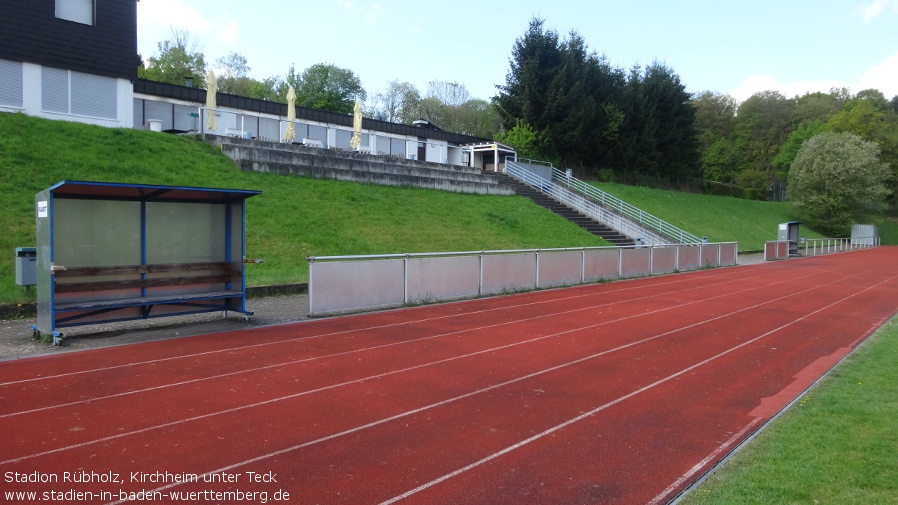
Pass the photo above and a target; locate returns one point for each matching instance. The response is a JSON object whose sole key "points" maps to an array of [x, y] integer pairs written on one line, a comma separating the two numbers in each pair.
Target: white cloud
{"points": [[374, 14], [757, 83], [227, 34], [883, 77], [160, 13], [156, 19], [874, 9]]}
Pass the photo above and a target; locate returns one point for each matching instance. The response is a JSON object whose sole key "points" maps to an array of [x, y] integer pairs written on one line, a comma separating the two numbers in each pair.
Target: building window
{"points": [[11, 83], [68, 92], [79, 11]]}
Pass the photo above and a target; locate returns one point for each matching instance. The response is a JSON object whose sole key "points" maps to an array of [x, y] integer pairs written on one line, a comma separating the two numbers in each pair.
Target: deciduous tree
{"points": [[179, 61], [328, 87], [525, 140], [763, 123], [834, 178], [398, 103], [232, 72]]}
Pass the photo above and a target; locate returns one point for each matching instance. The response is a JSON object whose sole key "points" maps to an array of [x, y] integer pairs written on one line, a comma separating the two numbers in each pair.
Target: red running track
{"points": [[609, 393]]}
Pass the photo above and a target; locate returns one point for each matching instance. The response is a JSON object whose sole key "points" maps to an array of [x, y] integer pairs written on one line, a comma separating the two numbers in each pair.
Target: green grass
{"points": [[720, 218], [837, 445], [298, 217], [729, 219], [293, 217]]}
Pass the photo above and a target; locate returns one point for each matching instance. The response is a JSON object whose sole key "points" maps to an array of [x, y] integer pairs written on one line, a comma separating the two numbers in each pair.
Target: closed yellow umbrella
{"points": [[211, 90], [356, 125], [291, 115]]}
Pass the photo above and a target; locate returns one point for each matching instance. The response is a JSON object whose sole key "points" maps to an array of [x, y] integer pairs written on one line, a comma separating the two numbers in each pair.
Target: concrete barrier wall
{"points": [[664, 260], [303, 161], [341, 284]]}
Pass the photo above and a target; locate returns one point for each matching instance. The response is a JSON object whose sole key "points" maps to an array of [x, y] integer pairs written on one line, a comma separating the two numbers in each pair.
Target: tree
{"points": [[763, 123], [658, 138], [721, 161], [525, 141], [444, 106], [328, 87], [875, 97], [398, 103], [536, 58], [178, 62], [267, 89], [835, 177], [232, 74], [479, 118], [864, 118], [674, 118], [817, 107], [715, 116], [783, 160], [452, 94]]}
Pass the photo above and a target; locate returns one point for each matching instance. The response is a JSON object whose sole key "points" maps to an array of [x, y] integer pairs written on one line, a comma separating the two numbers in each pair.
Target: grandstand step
{"points": [[587, 223]]}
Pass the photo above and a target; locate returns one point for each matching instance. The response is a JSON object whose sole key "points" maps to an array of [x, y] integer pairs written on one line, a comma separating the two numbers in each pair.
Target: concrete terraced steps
{"points": [[588, 224], [299, 160]]}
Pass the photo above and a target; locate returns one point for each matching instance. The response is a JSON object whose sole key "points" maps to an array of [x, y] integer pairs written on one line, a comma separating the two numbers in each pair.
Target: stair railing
{"points": [[599, 205]]}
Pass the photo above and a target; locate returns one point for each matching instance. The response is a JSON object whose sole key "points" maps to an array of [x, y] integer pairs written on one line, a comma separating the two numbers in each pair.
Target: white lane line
{"points": [[342, 332], [713, 456], [393, 372], [391, 344], [600, 408], [471, 394], [381, 421]]}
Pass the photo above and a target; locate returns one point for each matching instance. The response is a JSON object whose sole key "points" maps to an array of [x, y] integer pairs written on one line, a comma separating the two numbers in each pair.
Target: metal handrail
{"points": [[650, 221], [595, 204], [841, 244], [490, 252]]}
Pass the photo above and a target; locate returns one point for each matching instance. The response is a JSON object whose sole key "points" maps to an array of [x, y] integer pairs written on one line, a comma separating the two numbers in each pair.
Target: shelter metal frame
{"points": [[114, 252]]}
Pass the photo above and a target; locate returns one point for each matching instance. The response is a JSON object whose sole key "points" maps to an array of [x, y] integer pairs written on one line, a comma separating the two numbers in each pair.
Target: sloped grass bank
{"points": [[293, 217], [720, 218]]}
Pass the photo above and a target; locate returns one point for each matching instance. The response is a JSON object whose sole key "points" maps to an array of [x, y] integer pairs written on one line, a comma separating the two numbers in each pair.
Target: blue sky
{"points": [[736, 48]]}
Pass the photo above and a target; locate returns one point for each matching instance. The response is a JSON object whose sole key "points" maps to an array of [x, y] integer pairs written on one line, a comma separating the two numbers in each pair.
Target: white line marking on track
{"points": [[704, 462], [490, 388], [391, 344], [393, 372], [354, 330], [609, 404]]}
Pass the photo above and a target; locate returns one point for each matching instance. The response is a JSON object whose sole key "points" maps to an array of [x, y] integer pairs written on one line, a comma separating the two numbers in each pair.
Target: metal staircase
{"points": [[543, 200], [592, 205]]}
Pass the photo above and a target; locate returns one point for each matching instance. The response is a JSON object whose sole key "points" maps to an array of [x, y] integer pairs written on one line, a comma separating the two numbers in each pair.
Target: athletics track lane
{"points": [[603, 393]]}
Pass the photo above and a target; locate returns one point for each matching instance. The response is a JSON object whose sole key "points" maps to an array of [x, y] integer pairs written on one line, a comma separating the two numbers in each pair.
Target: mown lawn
{"points": [[837, 445], [292, 219]]}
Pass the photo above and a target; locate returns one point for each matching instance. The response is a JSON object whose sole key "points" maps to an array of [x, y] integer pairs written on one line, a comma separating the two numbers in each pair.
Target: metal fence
{"points": [[817, 246], [596, 204], [347, 283], [779, 249]]}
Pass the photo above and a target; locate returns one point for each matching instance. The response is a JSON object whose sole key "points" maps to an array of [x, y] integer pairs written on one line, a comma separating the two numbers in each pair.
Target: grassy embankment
{"points": [[724, 218], [299, 217], [293, 217]]}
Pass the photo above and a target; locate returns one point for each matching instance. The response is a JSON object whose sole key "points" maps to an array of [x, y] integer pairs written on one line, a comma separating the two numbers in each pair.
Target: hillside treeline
{"points": [[568, 104], [565, 103]]}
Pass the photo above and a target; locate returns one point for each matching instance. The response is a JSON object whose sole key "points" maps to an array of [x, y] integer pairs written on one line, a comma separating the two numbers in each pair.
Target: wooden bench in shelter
{"points": [[114, 252]]}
